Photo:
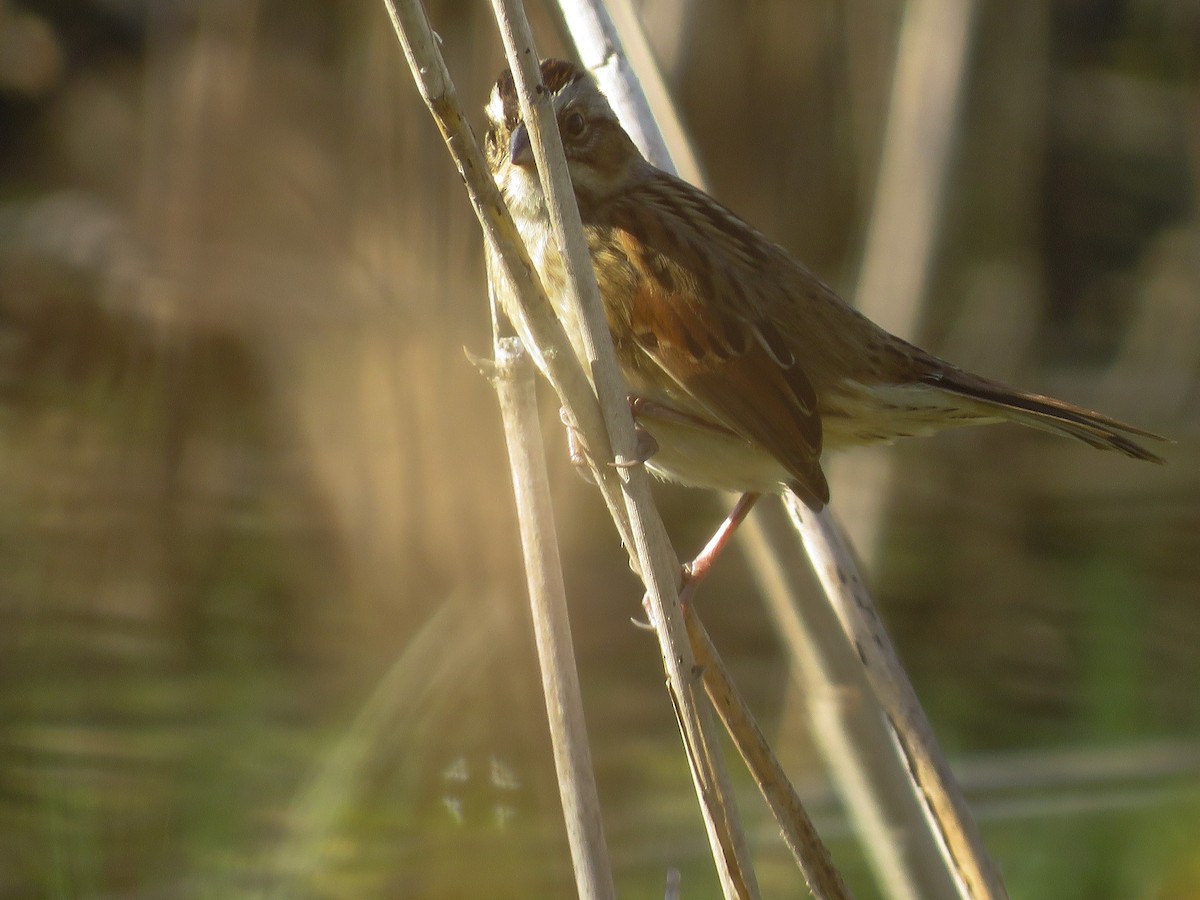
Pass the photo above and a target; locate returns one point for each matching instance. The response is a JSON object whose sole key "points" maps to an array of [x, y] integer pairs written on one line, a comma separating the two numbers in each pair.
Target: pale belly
{"points": [[711, 460]]}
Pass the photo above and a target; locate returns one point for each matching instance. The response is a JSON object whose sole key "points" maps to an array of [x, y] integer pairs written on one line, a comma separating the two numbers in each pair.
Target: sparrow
{"points": [[743, 366]]}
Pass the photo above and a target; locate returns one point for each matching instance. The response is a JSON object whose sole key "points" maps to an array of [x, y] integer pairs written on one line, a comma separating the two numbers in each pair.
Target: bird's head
{"points": [[599, 152]]}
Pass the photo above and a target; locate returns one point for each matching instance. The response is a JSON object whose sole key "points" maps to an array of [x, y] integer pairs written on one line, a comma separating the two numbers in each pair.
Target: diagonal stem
{"points": [[606, 425], [655, 556]]}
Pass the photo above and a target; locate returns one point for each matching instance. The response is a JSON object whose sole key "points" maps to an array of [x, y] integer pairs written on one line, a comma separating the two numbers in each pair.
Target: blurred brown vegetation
{"points": [[262, 608]]}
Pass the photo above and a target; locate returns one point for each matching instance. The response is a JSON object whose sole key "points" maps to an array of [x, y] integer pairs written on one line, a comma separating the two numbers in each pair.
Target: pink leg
{"points": [[698, 569]]}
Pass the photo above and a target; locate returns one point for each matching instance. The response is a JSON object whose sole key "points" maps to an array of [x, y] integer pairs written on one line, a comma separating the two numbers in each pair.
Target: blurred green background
{"points": [[262, 617]]}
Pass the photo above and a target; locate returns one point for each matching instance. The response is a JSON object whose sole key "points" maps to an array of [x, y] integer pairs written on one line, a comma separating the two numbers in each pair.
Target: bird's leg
{"points": [[699, 568]]}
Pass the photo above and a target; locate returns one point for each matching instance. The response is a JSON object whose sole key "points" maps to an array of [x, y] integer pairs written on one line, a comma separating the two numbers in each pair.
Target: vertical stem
{"points": [[512, 377], [655, 556], [902, 230]]}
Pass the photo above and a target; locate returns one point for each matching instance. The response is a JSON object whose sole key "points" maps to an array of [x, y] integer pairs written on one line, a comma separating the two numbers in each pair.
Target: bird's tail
{"points": [[1049, 414]]}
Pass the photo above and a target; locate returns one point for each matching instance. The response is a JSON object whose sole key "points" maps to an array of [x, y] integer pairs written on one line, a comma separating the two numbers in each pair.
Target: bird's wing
{"points": [[687, 308]]}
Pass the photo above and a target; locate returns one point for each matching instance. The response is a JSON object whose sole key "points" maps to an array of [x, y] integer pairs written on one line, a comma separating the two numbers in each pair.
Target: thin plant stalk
{"points": [[531, 312], [611, 44], [512, 376], [941, 800], [848, 728], [903, 227], [633, 510], [806, 846], [943, 803], [934, 49], [658, 563]]}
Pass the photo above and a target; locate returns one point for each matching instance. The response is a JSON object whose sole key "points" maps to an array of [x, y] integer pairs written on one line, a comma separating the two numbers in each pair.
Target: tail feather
{"points": [[1048, 414]]}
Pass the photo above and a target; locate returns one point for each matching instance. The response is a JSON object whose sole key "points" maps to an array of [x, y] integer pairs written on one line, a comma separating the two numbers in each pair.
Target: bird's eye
{"points": [[574, 125]]}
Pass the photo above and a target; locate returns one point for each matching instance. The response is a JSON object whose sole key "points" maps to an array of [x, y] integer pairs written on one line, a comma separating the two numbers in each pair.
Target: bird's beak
{"points": [[520, 151]]}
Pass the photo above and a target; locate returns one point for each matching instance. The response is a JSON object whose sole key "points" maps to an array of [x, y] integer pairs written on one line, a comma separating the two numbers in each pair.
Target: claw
{"points": [[576, 448], [646, 624], [646, 447], [641, 624]]}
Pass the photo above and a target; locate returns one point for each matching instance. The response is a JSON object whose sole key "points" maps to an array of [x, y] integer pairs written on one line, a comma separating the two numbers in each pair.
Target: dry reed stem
{"points": [[872, 775], [531, 313], [597, 38], [633, 509], [934, 49], [847, 725], [904, 224], [512, 377], [810, 853], [943, 802], [947, 814], [657, 561], [623, 63]]}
